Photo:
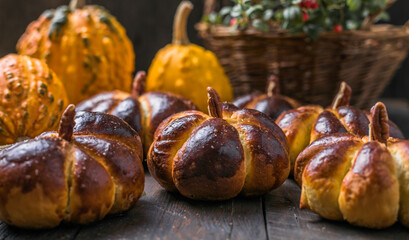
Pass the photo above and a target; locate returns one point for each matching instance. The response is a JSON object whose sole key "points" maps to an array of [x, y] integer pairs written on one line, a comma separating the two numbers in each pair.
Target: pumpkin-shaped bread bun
{"points": [[90, 168], [32, 98], [271, 103], [364, 181], [187, 69], [85, 46], [218, 156], [308, 123], [142, 111]]}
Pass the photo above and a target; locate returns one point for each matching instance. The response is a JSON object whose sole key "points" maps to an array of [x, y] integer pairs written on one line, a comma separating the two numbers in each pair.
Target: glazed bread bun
{"points": [[142, 111], [272, 103], [90, 168], [220, 155], [362, 180], [304, 125]]}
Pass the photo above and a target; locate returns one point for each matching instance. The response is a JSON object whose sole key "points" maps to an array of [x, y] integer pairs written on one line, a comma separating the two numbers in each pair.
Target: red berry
{"points": [[314, 5], [233, 21], [305, 16], [305, 4], [338, 28]]}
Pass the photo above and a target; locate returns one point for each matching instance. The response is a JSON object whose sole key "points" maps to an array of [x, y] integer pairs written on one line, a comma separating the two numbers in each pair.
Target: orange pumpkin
{"points": [[86, 47], [187, 69], [32, 98]]}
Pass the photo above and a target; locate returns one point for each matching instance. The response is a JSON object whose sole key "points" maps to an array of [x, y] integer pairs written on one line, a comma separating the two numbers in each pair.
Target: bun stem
{"points": [[138, 86], [214, 104], [379, 127], [273, 86], [67, 123], [343, 97]]}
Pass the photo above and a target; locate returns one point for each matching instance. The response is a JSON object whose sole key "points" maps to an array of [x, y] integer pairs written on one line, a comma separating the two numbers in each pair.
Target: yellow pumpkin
{"points": [[86, 47], [187, 69], [32, 98]]}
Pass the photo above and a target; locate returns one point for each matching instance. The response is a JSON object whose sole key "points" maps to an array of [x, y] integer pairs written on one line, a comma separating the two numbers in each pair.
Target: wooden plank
{"points": [[163, 215], [285, 220], [64, 232]]}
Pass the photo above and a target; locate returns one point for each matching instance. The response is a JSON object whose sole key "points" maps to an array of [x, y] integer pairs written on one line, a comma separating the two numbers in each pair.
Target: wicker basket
{"points": [[310, 71]]}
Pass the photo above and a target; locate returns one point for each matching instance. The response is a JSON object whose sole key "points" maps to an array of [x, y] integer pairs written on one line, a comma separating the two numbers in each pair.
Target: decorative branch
{"points": [[370, 20]]}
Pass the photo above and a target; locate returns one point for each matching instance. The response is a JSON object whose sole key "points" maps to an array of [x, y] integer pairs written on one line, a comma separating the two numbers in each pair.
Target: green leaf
{"points": [[287, 14], [225, 10], [253, 9], [260, 25], [226, 20], [384, 17], [236, 11], [352, 24], [365, 13], [205, 18], [268, 14], [213, 17], [292, 13], [354, 5]]}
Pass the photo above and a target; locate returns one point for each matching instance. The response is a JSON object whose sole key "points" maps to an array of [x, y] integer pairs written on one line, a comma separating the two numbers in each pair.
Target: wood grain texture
{"points": [[163, 215], [66, 232], [285, 220]]}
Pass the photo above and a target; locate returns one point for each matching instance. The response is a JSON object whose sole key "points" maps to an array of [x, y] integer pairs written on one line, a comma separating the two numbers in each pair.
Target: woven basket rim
{"points": [[379, 31]]}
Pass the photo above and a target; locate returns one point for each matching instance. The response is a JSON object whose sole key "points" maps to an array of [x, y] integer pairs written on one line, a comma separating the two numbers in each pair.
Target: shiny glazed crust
{"points": [[272, 103], [304, 125], [217, 157], [156, 107], [297, 126], [143, 113], [47, 180], [273, 106], [362, 180], [117, 103]]}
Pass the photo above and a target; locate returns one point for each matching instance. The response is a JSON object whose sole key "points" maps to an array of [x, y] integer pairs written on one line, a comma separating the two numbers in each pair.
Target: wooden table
{"points": [[163, 215]]}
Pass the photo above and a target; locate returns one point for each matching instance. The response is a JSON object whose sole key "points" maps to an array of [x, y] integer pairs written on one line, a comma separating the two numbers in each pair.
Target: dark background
{"points": [[149, 26]]}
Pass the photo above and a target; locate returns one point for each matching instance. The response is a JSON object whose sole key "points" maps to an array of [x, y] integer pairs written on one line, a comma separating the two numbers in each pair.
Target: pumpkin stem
{"points": [[179, 23], [379, 127], [273, 86], [214, 103], [138, 86], [67, 123], [343, 96], [76, 4]]}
